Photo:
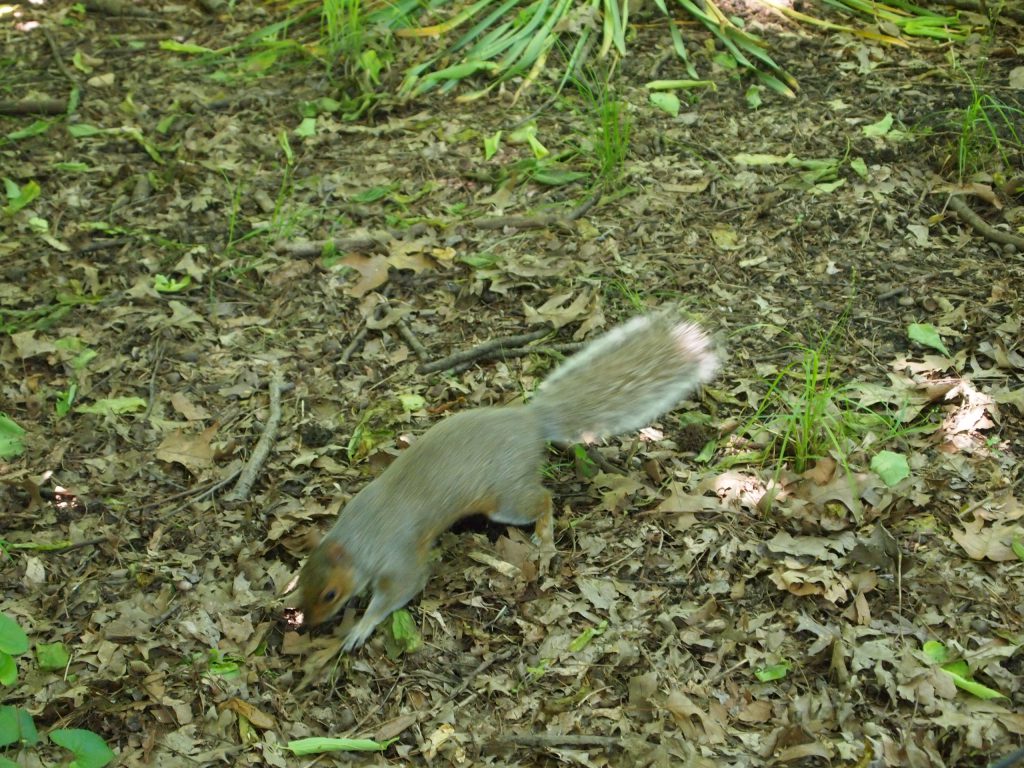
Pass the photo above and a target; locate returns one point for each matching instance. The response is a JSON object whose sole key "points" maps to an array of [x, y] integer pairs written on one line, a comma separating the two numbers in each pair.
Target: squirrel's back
{"points": [[624, 379]]}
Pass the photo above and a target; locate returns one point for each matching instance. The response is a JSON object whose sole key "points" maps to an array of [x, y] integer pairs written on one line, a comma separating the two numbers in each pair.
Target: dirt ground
{"points": [[686, 620]]}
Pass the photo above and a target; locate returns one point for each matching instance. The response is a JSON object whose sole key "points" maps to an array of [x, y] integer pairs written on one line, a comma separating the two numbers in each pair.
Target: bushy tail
{"points": [[625, 378]]}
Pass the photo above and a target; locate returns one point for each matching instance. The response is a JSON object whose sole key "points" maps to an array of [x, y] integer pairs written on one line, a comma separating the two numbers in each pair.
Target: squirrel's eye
{"points": [[328, 596]]}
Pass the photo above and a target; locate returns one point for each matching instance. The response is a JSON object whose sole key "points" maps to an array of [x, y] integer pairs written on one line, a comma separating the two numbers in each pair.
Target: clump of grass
{"points": [[989, 132], [343, 29], [802, 422], [609, 126], [809, 413]]}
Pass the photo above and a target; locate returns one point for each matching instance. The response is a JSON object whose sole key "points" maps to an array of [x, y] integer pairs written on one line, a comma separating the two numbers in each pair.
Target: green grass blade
{"points": [[477, 29], [542, 40], [614, 26]]}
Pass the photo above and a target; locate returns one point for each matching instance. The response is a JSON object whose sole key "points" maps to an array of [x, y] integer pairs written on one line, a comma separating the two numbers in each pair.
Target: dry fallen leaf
{"points": [[192, 451]]}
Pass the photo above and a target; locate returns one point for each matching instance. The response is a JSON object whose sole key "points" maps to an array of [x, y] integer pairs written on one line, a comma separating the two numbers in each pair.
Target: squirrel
{"points": [[488, 460]]}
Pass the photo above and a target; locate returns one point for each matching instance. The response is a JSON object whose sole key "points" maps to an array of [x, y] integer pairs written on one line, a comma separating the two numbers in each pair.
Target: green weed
{"points": [[808, 414], [989, 132], [17, 726], [608, 126], [343, 28]]}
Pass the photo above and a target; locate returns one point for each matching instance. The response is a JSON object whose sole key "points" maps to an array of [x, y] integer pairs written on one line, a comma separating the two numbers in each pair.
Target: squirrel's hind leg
{"points": [[532, 505], [389, 594]]}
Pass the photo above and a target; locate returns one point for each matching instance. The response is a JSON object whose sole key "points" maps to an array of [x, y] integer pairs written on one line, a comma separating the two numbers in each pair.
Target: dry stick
{"points": [[34, 107], [487, 349], [892, 293], [101, 245], [57, 59], [118, 8], [62, 548], [405, 331], [522, 222], [538, 222], [582, 210], [197, 496], [505, 354], [558, 740], [480, 669], [379, 239], [259, 455], [541, 221], [158, 356], [213, 7], [357, 728], [362, 244], [353, 345], [360, 337], [595, 456], [982, 227]]}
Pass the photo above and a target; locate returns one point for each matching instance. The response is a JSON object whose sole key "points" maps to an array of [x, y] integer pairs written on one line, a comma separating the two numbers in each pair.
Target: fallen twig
{"points": [[353, 345], [259, 454], [981, 226], [541, 221], [559, 740], [34, 107], [405, 331], [979, 6], [507, 353], [582, 210], [492, 348], [158, 356], [468, 680], [58, 59], [119, 8], [359, 244]]}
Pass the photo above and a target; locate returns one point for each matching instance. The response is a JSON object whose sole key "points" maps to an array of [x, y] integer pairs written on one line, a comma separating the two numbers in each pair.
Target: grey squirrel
{"points": [[488, 460]]}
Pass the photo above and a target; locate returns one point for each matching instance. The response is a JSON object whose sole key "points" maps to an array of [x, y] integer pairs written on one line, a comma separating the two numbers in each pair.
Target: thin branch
{"points": [[982, 227], [492, 348], [405, 331], [262, 450], [549, 740]]}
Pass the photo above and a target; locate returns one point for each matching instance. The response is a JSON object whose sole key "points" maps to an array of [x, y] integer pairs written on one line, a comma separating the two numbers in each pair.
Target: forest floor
{"points": [[722, 596]]}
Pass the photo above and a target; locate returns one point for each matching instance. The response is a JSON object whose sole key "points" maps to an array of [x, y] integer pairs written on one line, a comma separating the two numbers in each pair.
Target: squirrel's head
{"points": [[326, 582]]}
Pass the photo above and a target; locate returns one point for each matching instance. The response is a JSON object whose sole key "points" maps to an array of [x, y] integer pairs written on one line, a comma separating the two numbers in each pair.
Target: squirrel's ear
{"points": [[334, 553]]}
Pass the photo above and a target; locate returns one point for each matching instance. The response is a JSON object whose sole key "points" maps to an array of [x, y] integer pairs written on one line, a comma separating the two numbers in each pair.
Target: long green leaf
{"points": [[477, 29], [541, 40]]}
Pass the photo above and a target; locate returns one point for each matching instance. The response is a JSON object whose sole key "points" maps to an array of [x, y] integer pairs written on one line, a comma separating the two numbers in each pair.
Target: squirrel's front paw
{"points": [[357, 636]]}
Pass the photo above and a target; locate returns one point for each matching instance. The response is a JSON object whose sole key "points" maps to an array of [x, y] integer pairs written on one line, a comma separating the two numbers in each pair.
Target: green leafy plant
{"points": [[44, 316], [17, 728], [910, 19], [165, 284], [19, 196], [959, 671], [13, 642], [318, 744], [343, 28], [404, 636], [771, 672], [519, 40], [11, 443]]}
